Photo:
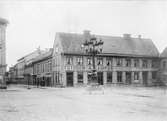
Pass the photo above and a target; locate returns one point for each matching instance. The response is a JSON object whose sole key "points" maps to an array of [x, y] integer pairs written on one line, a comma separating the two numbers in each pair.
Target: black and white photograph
{"points": [[83, 60]]}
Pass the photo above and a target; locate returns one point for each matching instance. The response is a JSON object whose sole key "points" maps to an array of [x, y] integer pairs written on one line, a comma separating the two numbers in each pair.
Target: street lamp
{"points": [[93, 47]]}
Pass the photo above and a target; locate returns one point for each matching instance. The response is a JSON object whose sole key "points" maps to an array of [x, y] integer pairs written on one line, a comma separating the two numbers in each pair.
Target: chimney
{"points": [[127, 36], [86, 34], [139, 36]]}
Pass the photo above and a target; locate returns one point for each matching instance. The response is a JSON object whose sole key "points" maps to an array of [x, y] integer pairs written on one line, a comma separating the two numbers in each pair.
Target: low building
{"points": [[23, 62], [42, 69], [124, 60]]}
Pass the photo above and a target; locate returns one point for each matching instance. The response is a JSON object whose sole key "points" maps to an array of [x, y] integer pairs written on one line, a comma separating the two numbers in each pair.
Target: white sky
{"points": [[34, 23]]}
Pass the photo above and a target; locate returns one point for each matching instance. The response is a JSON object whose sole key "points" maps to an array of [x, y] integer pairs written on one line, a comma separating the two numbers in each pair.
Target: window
{"points": [[154, 64], [38, 68], [164, 64], [119, 61], [43, 69], [109, 61], [99, 61], [119, 76], [154, 75], [89, 61], [69, 60], [109, 77], [80, 77], [136, 63], [79, 60], [145, 63], [136, 75], [128, 62]]}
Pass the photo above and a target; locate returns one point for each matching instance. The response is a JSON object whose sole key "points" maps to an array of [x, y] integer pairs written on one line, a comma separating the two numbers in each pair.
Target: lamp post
{"points": [[93, 47]]}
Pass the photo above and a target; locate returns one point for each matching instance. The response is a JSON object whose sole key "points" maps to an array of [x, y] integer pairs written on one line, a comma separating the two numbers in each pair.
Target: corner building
{"points": [[124, 60]]}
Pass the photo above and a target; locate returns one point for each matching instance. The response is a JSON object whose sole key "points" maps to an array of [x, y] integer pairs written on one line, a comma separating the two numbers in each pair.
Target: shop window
{"points": [[80, 77]]}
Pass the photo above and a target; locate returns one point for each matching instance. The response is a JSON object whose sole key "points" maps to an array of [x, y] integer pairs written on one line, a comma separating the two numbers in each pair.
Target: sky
{"points": [[34, 24]]}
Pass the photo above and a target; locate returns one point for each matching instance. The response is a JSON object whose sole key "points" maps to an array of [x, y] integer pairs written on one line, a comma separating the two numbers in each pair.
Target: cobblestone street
{"points": [[17, 103]]}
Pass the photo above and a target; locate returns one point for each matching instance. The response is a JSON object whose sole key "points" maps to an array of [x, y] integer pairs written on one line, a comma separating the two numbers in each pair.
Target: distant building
{"points": [[24, 61], [12, 75], [124, 60], [3, 65], [41, 67]]}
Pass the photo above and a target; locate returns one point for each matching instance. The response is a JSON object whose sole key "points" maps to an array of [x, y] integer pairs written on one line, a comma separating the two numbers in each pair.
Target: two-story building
{"points": [[42, 69], [23, 62], [124, 60]]}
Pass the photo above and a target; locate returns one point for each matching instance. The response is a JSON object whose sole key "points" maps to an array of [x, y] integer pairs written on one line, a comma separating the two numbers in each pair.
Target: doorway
{"points": [[69, 78], [145, 75], [128, 77], [100, 78]]}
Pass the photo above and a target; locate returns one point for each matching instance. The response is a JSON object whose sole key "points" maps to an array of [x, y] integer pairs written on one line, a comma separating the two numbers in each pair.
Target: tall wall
{"points": [[3, 25]]}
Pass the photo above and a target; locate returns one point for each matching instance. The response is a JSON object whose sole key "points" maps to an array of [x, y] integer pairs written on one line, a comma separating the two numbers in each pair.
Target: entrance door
{"points": [[128, 77], [145, 75], [100, 77], [69, 78]]}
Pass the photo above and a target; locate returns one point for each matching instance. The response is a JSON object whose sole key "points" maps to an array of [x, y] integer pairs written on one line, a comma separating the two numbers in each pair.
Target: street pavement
{"points": [[113, 103]]}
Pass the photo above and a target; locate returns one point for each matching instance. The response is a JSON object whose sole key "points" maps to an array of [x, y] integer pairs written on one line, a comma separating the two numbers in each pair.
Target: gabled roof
{"points": [[37, 52], [44, 56], [72, 42], [164, 53]]}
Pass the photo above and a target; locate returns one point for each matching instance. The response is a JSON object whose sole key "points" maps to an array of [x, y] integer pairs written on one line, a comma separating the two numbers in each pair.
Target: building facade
{"points": [[23, 63], [163, 68], [124, 60], [42, 69], [3, 65]]}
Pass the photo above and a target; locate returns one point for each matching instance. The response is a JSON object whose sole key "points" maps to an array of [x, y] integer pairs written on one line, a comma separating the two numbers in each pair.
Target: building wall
{"points": [[2, 49], [136, 73], [43, 71], [163, 71], [25, 61]]}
